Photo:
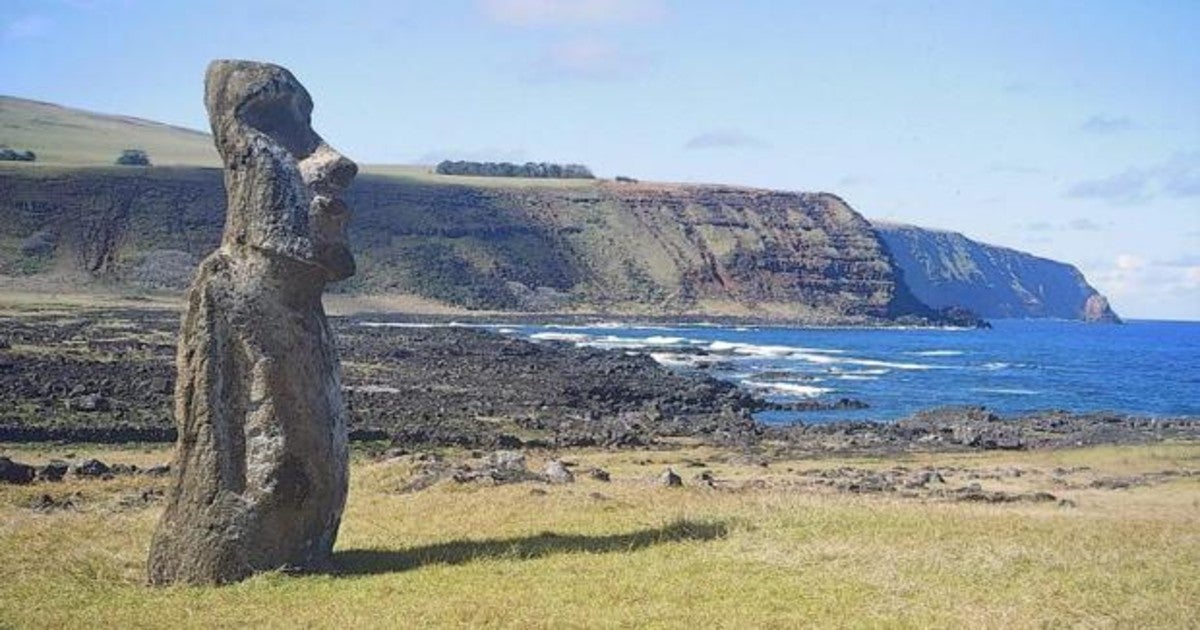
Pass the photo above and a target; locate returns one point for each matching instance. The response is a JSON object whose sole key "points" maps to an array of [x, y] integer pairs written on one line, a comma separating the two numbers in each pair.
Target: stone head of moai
{"points": [[283, 181]]}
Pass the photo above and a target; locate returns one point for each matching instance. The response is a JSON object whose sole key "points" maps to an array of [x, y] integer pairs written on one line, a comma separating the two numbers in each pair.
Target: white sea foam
{"points": [[857, 377], [996, 365], [936, 353], [755, 350], [557, 336], [613, 341], [892, 364], [795, 389], [673, 359], [817, 358]]}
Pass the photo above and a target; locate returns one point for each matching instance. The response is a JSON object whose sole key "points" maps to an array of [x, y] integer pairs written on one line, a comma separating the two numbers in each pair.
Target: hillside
{"points": [[646, 249], [516, 244], [62, 135], [948, 269]]}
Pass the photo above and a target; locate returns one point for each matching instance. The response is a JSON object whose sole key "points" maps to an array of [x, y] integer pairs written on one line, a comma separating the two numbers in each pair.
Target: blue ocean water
{"points": [[1143, 367]]}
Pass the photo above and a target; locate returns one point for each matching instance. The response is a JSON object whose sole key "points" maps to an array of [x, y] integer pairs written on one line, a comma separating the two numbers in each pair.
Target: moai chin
{"points": [[261, 465]]}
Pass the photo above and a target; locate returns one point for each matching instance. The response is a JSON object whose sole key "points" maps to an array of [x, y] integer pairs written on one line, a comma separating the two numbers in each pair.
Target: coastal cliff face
{"points": [[948, 269], [623, 248]]}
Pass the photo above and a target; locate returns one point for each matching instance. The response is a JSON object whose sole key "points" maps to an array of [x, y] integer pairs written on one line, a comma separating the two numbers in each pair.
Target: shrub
{"points": [[13, 155], [541, 170], [133, 157]]}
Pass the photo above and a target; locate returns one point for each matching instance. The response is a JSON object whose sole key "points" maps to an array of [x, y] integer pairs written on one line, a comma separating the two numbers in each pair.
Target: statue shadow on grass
{"points": [[357, 562]]}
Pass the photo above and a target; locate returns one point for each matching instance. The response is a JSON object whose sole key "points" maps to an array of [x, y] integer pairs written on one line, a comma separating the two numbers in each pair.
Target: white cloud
{"points": [[1129, 262], [1101, 124], [1149, 288], [1080, 224], [571, 12], [1178, 176]]}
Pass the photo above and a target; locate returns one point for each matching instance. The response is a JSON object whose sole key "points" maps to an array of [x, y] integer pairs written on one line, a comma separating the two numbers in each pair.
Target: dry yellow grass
{"points": [[633, 554]]}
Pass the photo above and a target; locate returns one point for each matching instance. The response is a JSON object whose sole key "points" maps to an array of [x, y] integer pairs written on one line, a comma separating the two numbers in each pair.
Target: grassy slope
{"points": [[645, 556], [61, 135]]}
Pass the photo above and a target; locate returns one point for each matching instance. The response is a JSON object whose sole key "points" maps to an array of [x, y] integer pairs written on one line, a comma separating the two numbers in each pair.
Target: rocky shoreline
{"points": [[106, 376]]}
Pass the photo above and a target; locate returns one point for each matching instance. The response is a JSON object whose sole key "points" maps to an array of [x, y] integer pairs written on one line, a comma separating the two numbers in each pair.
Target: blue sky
{"points": [[1067, 129]]}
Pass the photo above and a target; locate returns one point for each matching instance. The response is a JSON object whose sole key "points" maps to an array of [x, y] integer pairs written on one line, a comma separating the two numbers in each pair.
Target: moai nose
{"points": [[328, 170]]}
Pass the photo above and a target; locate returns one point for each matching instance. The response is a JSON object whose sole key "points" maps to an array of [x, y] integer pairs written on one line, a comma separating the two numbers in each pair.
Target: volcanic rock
{"points": [[261, 465], [15, 472]]}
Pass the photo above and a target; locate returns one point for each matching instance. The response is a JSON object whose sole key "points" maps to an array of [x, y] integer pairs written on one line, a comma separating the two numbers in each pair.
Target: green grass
{"points": [[61, 135], [424, 174], [632, 554]]}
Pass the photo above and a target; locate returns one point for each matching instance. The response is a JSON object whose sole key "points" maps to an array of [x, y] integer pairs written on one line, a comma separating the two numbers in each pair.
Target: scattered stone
{"points": [[507, 467], [50, 503], [92, 468], [15, 472], [599, 474], [507, 460], [974, 493], [89, 403], [670, 479], [869, 483], [597, 496], [1066, 503], [160, 470], [246, 499], [538, 492], [123, 469], [556, 472], [53, 471], [925, 478], [507, 441], [142, 499], [1117, 483], [426, 477]]}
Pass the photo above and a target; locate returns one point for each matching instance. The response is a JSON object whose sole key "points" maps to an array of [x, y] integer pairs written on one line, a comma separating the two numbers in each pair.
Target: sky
{"points": [[1069, 129]]}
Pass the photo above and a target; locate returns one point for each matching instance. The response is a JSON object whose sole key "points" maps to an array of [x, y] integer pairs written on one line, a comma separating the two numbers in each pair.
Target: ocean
{"points": [[1148, 368]]}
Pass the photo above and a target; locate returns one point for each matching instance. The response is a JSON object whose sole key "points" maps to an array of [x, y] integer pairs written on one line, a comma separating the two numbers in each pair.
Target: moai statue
{"points": [[261, 465]]}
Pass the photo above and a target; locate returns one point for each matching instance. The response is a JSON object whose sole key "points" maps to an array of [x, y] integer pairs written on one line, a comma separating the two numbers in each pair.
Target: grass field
{"points": [[62, 135], [757, 551]]}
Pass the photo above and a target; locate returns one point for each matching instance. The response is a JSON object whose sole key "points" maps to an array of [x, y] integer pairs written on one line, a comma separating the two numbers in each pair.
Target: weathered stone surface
{"points": [[947, 269], [557, 472], [15, 472], [261, 465], [53, 471], [671, 479], [1097, 309]]}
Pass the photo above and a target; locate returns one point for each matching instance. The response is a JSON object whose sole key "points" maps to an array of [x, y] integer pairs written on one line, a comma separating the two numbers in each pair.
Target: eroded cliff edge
{"points": [[948, 269], [642, 249]]}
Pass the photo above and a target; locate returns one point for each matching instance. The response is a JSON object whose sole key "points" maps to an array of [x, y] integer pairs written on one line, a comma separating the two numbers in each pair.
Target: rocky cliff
{"points": [[948, 269], [598, 246], [519, 244]]}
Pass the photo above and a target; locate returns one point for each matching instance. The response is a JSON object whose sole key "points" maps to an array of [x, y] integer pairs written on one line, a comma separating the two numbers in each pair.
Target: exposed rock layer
{"points": [[947, 269], [624, 248]]}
